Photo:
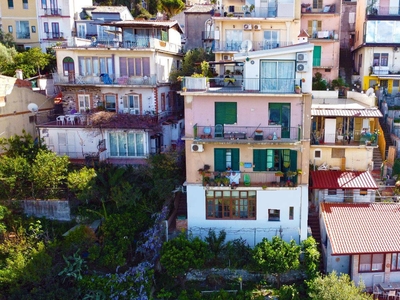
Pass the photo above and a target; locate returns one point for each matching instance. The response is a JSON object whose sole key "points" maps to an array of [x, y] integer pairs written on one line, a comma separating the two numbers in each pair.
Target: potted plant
{"points": [[279, 174], [297, 89]]}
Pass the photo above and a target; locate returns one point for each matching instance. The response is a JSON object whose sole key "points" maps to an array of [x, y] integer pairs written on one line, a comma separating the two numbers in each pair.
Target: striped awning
{"points": [[342, 180], [326, 112]]}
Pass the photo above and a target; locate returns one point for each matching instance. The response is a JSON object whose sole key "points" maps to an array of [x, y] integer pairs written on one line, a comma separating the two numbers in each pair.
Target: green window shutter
{"points": [[260, 159], [235, 159], [225, 112], [293, 160], [317, 56], [219, 160]]}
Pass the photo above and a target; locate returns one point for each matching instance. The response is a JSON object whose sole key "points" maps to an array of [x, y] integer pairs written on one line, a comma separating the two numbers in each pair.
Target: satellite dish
{"points": [[33, 107], [246, 46]]}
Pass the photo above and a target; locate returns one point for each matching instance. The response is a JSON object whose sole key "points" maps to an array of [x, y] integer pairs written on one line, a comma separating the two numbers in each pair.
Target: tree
{"points": [[311, 257], [334, 287], [6, 58], [216, 245], [180, 255], [276, 257], [7, 39], [32, 61], [171, 7]]}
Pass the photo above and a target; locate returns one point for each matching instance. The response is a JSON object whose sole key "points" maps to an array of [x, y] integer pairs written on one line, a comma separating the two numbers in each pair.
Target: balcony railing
{"points": [[284, 10], [245, 85], [52, 11], [325, 35], [54, 35], [235, 46], [107, 79], [137, 43], [237, 133], [264, 179], [327, 9], [383, 11]]}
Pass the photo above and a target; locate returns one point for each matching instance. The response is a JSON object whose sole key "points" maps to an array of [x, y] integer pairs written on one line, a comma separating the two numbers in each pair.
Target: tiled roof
{"points": [[342, 180], [368, 113], [356, 228], [199, 9]]}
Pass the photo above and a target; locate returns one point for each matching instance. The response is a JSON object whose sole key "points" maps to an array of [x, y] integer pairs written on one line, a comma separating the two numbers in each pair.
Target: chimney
{"points": [[19, 74]]}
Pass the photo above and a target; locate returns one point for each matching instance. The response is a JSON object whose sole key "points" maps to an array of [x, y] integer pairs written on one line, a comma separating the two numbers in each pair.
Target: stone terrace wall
{"points": [[53, 209]]}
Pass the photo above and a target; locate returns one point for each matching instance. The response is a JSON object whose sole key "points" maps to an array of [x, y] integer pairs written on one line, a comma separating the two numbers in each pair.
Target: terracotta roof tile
{"points": [[342, 180], [356, 228]]}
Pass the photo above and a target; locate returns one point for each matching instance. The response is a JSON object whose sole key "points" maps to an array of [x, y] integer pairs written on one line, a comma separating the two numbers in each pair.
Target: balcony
{"points": [[274, 10], [376, 12], [262, 179], [105, 79], [331, 35], [381, 70], [209, 35], [327, 9], [235, 46], [52, 12], [236, 134], [137, 43], [244, 85], [54, 35]]}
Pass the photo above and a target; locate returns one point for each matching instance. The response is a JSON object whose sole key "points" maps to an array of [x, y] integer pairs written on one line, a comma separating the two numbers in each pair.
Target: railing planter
{"points": [[279, 174]]}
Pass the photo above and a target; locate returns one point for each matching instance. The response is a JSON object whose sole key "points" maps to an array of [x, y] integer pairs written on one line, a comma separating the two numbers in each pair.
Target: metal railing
{"points": [[325, 35], [245, 85], [54, 35], [235, 46], [272, 133], [107, 79], [272, 11], [383, 10], [52, 11]]}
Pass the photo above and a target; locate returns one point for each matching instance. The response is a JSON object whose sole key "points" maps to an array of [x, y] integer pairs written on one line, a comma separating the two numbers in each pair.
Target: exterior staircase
{"points": [[313, 223], [377, 158]]}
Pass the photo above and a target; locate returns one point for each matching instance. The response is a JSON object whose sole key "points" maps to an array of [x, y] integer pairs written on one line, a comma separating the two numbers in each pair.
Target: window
{"points": [[44, 4], [95, 66], [139, 66], [84, 103], [46, 27], [277, 76], [395, 265], [162, 101], [317, 4], [226, 158], [371, 262], [68, 66], [10, 29], [127, 144], [33, 29], [279, 114], [274, 160], [132, 103], [22, 28], [55, 29], [291, 213], [332, 192], [231, 204], [10, 4], [274, 214], [225, 113], [317, 154], [381, 59], [313, 27], [25, 4], [110, 102], [82, 31], [271, 39]]}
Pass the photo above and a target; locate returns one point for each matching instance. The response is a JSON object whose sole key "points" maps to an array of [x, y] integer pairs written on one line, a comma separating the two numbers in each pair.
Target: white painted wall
{"points": [[253, 231]]}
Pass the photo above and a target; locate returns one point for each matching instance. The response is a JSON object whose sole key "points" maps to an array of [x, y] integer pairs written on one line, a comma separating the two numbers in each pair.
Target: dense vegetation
{"points": [[128, 258]]}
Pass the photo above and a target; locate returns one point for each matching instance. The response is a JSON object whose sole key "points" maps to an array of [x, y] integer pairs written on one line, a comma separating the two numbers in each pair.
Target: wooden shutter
{"points": [[225, 112], [259, 159], [219, 160], [293, 160], [317, 56], [235, 159]]}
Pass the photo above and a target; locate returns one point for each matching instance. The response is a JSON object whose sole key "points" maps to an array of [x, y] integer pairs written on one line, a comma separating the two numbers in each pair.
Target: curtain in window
{"points": [[140, 144], [113, 144], [277, 76], [131, 144]]}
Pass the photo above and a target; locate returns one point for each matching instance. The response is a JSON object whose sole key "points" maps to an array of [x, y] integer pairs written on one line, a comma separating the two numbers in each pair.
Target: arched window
{"points": [[68, 66]]}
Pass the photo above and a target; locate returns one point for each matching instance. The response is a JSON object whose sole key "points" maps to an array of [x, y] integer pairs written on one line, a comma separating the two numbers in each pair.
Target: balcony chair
{"points": [[60, 120], [246, 179], [377, 292], [219, 131]]}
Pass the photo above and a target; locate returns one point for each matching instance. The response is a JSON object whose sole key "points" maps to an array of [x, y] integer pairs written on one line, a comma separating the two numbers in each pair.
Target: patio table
{"points": [[389, 286]]}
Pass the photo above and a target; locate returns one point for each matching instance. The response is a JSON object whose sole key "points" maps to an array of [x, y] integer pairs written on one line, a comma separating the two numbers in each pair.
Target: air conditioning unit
{"points": [[247, 26], [257, 27], [196, 148], [227, 57], [302, 56], [302, 67]]}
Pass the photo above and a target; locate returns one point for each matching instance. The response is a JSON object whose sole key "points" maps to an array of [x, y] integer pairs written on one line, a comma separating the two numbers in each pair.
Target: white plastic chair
{"points": [[391, 295], [70, 120], [60, 120]]}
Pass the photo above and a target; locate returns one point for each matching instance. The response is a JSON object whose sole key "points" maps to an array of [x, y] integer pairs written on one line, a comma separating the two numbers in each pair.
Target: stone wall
{"points": [[53, 209]]}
